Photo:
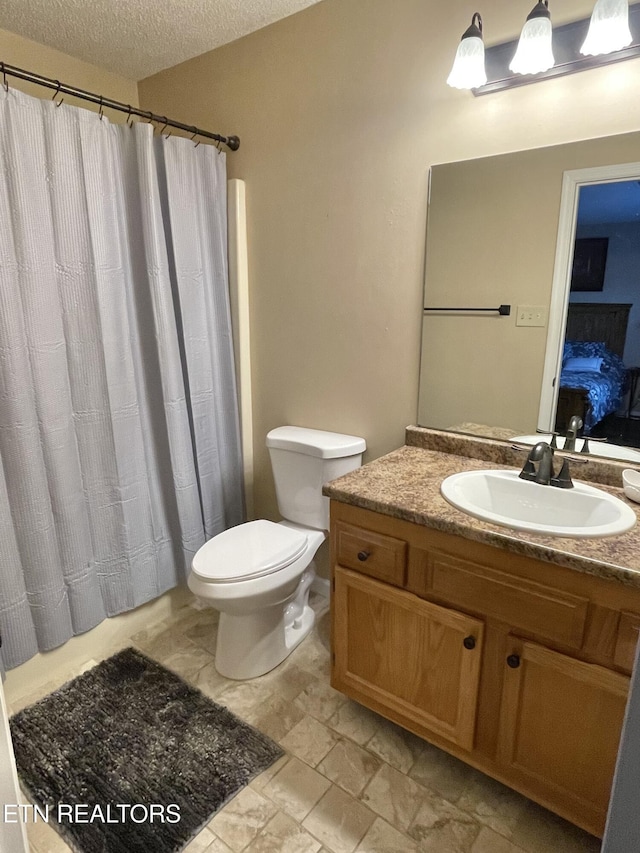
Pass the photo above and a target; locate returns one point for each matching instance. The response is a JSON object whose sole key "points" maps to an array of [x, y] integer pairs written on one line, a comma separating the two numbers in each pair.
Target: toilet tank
{"points": [[303, 460]]}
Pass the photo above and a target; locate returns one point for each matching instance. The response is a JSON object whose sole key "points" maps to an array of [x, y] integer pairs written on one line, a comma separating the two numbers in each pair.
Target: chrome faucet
{"points": [[575, 423]]}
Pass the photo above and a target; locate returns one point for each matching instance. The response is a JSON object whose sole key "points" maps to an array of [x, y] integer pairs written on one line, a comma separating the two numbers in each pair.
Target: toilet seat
{"points": [[248, 551]]}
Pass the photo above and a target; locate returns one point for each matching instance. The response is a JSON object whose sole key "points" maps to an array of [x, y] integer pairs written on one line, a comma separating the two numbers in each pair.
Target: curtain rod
{"points": [[232, 142]]}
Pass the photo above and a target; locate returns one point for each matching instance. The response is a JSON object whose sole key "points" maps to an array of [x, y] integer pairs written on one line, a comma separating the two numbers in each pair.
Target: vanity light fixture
{"points": [[535, 52], [468, 70], [577, 46], [608, 29]]}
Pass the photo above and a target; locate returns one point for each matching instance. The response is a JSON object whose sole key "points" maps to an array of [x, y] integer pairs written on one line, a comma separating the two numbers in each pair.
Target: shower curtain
{"points": [[119, 439]]}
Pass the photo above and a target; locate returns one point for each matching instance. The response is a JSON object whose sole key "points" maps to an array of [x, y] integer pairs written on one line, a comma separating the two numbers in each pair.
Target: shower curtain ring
{"points": [[57, 92], [130, 116], [4, 78], [101, 111], [195, 133]]}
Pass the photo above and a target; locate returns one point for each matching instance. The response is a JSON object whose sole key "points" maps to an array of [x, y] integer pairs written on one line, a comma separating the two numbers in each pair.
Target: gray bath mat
{"points": [[128, 758]]}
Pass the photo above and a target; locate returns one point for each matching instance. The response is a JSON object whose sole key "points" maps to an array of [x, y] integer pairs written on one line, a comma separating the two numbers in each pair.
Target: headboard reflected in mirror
{"points": [[594, 324], [493, 238]]}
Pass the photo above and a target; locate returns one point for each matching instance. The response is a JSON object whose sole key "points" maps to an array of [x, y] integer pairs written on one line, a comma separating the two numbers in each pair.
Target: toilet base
{"points": [[299, 629], [252, 644]]}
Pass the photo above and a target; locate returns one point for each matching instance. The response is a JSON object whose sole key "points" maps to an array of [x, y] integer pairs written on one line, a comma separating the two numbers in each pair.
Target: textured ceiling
{"points": [[137, 38]]}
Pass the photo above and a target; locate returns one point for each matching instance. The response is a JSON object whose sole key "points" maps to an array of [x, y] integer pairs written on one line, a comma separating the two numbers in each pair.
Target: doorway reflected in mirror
{"points": [[601, 350]]}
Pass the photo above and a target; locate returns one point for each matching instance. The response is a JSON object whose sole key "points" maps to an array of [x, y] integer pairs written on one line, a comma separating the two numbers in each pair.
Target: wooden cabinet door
{"points": [[410, 656], [560, 724]]}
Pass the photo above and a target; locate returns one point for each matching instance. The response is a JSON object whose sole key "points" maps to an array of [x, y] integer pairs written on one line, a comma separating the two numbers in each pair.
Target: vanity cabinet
{"points": [[393, 647], [559, 726], [517, 666]]}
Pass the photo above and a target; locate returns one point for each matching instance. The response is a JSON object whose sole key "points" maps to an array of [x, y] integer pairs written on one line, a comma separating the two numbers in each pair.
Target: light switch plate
{"points": [[531, 315]]}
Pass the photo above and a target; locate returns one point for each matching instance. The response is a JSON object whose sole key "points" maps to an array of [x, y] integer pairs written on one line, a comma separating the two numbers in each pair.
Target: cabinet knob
{"points": [[469, 642], [363, 556], [513, 661]]}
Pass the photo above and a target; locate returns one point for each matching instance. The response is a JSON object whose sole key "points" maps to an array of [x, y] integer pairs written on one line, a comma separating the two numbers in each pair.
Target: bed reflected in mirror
{"points": [[601, 345]]}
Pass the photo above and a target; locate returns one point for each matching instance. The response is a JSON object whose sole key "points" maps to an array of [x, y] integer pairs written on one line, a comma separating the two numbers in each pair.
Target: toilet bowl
{"points": [[258, 574]]}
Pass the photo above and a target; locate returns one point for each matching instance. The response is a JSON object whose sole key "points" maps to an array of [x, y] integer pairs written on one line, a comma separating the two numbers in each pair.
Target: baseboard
{"points": [[106, 638]]}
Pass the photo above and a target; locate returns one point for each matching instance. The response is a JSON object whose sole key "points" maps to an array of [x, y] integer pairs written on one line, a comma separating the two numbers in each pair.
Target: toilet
{"points": [[258, 574]]}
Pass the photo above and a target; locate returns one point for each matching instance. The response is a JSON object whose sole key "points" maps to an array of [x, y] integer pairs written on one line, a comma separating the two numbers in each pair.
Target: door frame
{"points": [[572, 181], [13, 834]]}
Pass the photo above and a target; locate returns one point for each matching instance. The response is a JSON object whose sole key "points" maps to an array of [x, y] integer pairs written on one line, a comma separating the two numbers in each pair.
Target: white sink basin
{"points": [[501, 497]]}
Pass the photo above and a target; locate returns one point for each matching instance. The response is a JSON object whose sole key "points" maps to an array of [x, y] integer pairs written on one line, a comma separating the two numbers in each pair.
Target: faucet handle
{"points": [[586, 440], [528, 469], [580, 459], [563, 480], [528, 448]]}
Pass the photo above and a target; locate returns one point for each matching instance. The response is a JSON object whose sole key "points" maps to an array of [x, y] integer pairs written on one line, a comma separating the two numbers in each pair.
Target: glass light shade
{"points": [[609, 28], [468, 70], [534, 53]]}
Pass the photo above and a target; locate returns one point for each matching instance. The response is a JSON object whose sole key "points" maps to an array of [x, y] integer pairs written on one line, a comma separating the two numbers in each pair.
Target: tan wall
{"points": [[492, 229], [23, 53], [341, 110]]}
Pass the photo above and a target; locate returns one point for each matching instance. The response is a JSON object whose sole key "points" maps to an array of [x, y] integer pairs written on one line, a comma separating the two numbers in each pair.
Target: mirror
{"points": [[499, 233]]}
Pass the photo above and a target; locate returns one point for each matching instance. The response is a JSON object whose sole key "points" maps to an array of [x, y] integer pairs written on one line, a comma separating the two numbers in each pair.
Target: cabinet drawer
{"points": [[627, 641], [372, 554], [524, 604]]}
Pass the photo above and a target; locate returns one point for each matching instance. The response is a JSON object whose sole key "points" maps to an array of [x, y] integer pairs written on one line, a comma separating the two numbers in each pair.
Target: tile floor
{"points": [[350, 782]]}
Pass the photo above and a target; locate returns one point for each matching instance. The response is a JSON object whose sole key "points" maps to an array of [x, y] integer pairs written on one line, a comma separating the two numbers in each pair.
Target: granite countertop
{"points": [[405, 484]]}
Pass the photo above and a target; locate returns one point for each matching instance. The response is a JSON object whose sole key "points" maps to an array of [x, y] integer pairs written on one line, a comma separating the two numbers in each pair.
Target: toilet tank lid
{"points": [[315, 442]]}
